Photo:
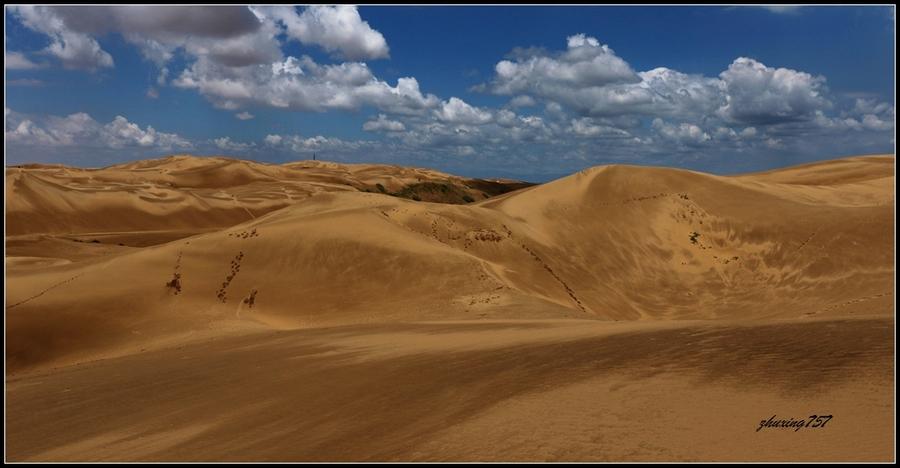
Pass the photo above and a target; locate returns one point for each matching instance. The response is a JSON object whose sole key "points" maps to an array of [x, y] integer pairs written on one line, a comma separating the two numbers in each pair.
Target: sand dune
{"points": [[312, 283], [186, 192]]}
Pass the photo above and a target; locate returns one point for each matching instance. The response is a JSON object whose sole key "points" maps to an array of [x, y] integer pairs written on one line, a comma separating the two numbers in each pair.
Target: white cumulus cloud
{"points": [[338, 29], [585, 63], [683, 133], [226, 144], [81, 130], [458, 111], [757, 94], [383, 124], [344, 86]]}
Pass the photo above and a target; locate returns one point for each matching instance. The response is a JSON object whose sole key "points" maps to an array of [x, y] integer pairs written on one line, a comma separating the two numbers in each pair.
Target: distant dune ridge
{"points": [[188, 192], [154, 255]]}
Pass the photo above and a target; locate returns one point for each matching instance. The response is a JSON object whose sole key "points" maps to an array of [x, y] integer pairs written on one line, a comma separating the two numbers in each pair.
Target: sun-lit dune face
{"points": [[140, 266], [651, 242]]}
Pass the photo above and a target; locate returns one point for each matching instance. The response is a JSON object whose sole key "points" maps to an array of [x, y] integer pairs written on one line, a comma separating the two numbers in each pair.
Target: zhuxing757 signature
{"points": [[814, 421]]}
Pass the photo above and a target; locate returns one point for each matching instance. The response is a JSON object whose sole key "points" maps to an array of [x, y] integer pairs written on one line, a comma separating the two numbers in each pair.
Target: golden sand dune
{"points": [[590, 315], [187, 192]]}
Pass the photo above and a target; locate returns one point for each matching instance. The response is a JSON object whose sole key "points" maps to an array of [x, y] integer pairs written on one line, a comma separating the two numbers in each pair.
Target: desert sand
{"points": [[208, 309]]}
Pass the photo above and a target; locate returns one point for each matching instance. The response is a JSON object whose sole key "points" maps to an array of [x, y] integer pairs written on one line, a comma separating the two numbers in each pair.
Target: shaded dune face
{"points": [[611, 243]]}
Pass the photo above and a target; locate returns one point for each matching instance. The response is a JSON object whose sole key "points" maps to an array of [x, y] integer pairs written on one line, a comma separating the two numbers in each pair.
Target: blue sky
{"points": [[527, 92]]}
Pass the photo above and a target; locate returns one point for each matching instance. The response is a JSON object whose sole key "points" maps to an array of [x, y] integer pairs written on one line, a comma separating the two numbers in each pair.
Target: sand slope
{"points": [[799, 255], [547, 390]]}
